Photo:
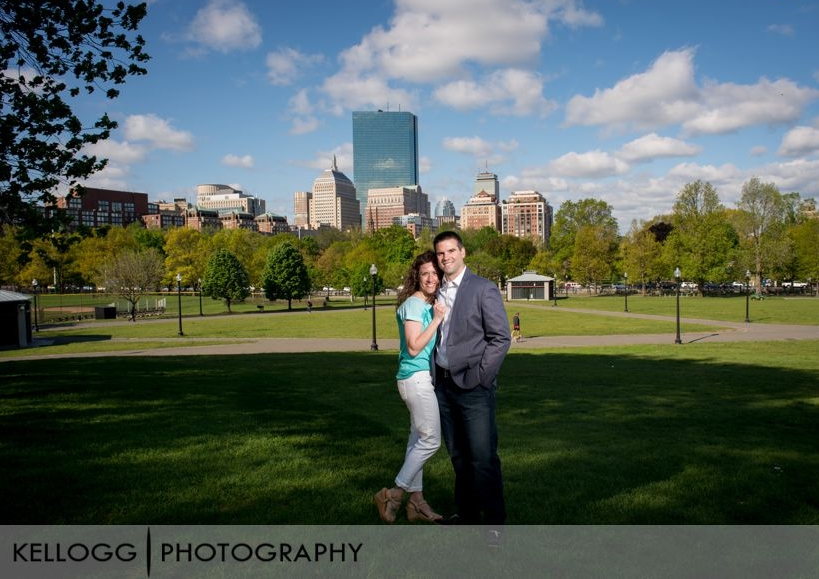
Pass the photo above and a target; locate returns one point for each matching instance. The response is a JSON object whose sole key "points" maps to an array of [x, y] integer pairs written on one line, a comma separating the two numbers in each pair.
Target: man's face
{"points": [[450, 257]]}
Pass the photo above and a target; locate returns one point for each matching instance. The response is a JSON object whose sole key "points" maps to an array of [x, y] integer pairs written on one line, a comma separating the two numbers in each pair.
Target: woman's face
{"points": [[428, 279]]}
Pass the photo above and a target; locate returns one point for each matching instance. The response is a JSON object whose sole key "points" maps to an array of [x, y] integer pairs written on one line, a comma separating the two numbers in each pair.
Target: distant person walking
{"points": [[516, 327], [473, 345], [418, 318]]}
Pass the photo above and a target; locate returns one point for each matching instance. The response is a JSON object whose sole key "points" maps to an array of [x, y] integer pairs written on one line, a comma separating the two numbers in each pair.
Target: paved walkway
{"points": [[730, 332]]}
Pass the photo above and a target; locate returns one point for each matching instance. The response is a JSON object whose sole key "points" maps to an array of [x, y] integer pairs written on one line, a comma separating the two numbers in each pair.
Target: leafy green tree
{"points": [[804, 238], [395, 244], [362, 284], [225, 278], [640, 254], [761, 223], [591, 260], [702, 243], [285, 275], [52, 51], [570, 218], [186, 253], [132, 274]]}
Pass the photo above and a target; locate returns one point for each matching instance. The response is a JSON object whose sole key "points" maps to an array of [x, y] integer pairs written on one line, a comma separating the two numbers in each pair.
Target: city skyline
{"points": [[620, 101]]}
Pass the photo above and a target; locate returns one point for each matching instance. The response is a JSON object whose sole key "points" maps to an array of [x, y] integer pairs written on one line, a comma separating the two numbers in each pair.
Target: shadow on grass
{"points": [[308, 438]]}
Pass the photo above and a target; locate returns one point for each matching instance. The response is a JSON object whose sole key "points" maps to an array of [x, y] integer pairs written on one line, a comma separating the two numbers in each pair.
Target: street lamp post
{"points": [[179, 297], [373, 272], [747, 295], [625, 290], [677, 275], [199, 287], [36, 285]]}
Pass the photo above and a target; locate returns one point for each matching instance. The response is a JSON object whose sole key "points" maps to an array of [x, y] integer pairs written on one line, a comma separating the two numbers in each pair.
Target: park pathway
{"points": [[729, 332]]}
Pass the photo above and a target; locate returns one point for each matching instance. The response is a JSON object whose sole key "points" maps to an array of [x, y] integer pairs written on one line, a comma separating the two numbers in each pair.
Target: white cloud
{"points": [[479, 148], [303, 121], [759, 150], [244, 162], [668, 94], [429, 40], [783, 29], [118, 151], [351, 92], [225, 25], [591, 164], [324, 159], [665, 94], [284, 65], [711, 173], [474, 146], [510, 91], [158, 133], [304, 125], [653, 146], [800, 141], [728, 107]]}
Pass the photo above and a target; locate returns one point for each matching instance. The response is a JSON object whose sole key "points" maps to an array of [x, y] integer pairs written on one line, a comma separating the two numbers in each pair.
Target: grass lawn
{"points": [[711, 433], [771, 310], [538, 319]]}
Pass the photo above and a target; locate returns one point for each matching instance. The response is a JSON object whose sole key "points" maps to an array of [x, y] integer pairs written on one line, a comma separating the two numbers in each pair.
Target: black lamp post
{"points": [[36, 285], [625, 290], [747, 295], [554, 289], [199, 287], [373, 272], [179, 296], [677, 276]]}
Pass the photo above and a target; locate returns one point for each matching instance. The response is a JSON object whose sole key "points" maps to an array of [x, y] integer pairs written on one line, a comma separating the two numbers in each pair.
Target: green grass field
{"points": [[708, 433]]}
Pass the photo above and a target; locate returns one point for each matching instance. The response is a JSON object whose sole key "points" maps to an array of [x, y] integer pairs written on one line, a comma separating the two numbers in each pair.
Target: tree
{"points": [[762, 223], [51, 51], [702, 242], [186, 253], [285, 275], [570, 218], [640, 255], [591, 260], [805, 240], [225, 278], [132, 274]]}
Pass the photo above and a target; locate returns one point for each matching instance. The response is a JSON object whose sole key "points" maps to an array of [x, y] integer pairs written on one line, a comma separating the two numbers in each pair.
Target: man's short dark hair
{"points": [[448, 234]]}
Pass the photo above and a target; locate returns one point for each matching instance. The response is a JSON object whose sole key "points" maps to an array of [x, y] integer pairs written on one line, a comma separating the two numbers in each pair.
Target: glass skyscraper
{"points": [[385, 151]]}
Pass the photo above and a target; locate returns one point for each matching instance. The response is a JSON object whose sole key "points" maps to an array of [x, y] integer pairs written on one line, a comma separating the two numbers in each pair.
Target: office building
{"points": [[384, 205], [226, 198], [334, 202], [526, 214], [101, 207], [385, 151], [301, 205]]}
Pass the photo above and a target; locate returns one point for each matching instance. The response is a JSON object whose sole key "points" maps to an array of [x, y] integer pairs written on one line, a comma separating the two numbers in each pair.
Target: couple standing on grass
{"points": [[454, 335]]}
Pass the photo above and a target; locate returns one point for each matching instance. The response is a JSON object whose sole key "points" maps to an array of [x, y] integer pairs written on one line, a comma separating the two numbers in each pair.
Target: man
{"points": [[473, 344]]}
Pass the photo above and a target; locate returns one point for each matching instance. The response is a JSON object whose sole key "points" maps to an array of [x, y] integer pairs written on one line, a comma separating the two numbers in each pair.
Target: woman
{"points": [[418, 319]]}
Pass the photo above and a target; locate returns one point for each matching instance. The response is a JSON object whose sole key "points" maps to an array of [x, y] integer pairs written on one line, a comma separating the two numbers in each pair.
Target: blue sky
{"points": [[620, 100]]}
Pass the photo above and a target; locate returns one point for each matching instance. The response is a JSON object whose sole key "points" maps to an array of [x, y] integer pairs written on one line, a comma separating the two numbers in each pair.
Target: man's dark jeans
{"points": [[471, 437]]}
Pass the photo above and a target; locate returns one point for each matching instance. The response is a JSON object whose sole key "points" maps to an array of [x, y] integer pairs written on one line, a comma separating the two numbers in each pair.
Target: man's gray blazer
{"points": [[479, 335]]}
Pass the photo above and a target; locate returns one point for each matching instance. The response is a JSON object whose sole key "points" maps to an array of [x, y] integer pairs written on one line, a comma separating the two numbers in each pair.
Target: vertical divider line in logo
{"points": [[148, 552]]}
